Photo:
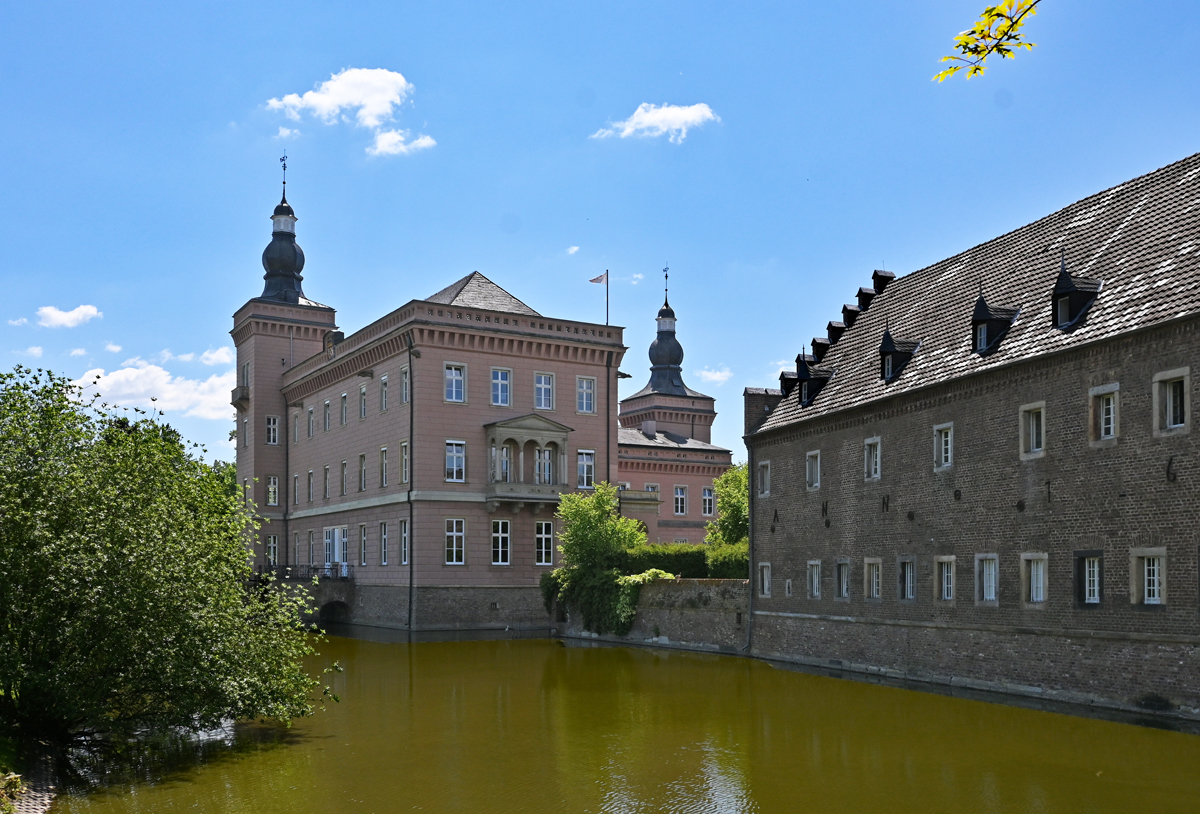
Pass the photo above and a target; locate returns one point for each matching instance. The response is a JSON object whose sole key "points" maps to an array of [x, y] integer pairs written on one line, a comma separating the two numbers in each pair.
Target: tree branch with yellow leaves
{"points": [[997, 31]]}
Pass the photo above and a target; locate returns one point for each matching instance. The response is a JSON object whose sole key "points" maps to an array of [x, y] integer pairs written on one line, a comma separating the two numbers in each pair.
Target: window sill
{"points": [[1172, 431], [1103, 443], [943, 468], [814, 488], [874, 479], [1032, 456], [987, 603], [1033, 606], [1142, 607]]}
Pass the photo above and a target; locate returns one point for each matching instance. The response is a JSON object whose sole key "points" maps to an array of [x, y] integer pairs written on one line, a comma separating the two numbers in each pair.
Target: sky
{"points": [[772, 155]]}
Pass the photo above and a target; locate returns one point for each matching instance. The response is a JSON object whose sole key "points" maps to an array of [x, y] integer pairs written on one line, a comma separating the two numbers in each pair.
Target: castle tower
{"points": [[272, 333]]}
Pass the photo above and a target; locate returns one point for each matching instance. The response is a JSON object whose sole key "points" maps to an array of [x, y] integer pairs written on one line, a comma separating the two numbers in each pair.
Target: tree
{"points": [[733, 508], [997, 31], [125, 591]]}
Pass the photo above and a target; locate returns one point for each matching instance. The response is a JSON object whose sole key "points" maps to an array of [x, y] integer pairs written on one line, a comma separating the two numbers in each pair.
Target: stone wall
{"points": [[435, 608]]}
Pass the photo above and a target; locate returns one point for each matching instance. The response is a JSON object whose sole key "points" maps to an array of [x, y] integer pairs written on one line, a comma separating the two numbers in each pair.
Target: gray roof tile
{"points": [[477, 291]]}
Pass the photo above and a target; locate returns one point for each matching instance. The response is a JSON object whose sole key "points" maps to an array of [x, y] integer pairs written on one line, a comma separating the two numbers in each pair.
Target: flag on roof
{"points": [[603, 278]]}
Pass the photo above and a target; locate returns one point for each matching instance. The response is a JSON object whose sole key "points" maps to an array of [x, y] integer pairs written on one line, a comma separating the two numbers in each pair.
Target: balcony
{"points": [[240, 397], [305, 573], [517, 495]]}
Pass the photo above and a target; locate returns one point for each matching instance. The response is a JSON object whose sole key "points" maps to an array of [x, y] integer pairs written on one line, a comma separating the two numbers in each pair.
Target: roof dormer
{"points": [[1071, 298], [810, 378], [894, 354], [989, 324], [849, 314], [865, 295]]}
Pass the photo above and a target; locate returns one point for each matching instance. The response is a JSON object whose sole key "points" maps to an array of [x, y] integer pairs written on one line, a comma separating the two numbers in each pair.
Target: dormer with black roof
{"points": [[1072, 298], [989, 324], [810, 378], [894, 354]]}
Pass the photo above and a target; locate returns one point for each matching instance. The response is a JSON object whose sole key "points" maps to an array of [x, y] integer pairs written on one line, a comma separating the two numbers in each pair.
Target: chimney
{"points": [[835, 331], [849, 314], [820, 347], [650, 428], [881, 280], [865, 295]]}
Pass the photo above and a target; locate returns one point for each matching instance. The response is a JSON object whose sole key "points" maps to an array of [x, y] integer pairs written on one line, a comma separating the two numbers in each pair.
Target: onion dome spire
{"points": [[283, 259]]}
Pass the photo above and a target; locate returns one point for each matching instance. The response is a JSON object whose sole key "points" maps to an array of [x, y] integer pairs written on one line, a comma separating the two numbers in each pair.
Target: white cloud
{"points": [[572, 249], [285, 132], [371, 94], [51, 317], [78, 352], [652, 120], [111, 348], [32, 350], [186, 357], [637, 278], [135, 384], [392, 142], [220, 356], [166, 356], [718, 376], [21, 321]]}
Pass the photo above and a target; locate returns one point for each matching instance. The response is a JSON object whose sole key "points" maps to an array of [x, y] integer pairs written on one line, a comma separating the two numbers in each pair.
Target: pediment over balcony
{"points": [[531, 427]]}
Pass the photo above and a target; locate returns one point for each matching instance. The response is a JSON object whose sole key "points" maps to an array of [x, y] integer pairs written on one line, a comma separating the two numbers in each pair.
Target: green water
{"points": [[536, 726]]}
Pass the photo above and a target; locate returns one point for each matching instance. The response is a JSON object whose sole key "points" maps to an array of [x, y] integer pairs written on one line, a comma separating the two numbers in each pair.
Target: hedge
{"points": [[728, 561], [682, 559]]}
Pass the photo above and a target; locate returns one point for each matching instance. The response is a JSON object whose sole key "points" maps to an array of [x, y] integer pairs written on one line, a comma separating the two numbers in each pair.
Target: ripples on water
{"points": [[537, 726]]}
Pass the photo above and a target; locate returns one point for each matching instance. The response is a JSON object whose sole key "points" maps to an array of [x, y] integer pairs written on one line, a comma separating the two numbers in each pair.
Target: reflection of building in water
{"points": [[666, 463], [987, 469]]}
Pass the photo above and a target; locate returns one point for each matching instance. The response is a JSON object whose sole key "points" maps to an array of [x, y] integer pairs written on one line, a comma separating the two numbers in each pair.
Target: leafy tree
{"points": [[594, 540], [733, 508], [997, 31], [124, 577]]}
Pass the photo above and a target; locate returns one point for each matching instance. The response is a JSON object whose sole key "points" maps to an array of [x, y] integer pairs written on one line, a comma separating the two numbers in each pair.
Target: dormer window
{"points": [[887, 366], [894, 354], [1072, 298], [1064, 312], [809, 377], [803, 392], [989, 324], [981, 337]]}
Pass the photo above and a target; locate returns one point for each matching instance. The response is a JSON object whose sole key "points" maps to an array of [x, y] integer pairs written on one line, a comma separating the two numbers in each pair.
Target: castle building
{"points": [[416, 464], [666, 462], [985, 473]]}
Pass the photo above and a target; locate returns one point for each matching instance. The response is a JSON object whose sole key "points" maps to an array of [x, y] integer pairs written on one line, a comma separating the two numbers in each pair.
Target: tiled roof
{"points": [[633, 437], [477, 291], [1141, 239], [677, 388]]}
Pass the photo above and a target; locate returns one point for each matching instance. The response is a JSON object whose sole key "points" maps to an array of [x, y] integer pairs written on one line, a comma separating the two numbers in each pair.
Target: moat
{"points": [[542, 726]]}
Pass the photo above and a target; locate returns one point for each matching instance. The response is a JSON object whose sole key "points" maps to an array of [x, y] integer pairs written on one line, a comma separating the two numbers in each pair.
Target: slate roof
{"points": [[676, 388], [1141, 239], [477, 291], [633, 437]]}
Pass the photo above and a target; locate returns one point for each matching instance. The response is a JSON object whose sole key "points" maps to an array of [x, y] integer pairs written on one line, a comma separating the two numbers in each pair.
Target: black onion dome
{"points": [[283, 260], [284, 208], [666, 312], [666, 351]]}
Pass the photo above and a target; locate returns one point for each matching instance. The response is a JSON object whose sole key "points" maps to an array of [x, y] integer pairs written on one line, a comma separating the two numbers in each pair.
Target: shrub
{"points": [[682, 559], [728, 561], [733, 508]]}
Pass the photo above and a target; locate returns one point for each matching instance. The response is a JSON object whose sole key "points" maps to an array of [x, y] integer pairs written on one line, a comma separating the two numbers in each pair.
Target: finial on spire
{"points": [[666, 278], [283, 162]]}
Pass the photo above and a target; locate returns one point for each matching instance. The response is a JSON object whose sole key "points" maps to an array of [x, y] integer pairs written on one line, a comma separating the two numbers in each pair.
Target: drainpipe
{"points": [[412, 471], [750, 487], [608, 416], [287, 470]]}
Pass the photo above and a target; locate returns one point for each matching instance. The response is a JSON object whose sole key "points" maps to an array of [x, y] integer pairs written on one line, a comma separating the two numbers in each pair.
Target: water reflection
{"points": [[533, 726]]}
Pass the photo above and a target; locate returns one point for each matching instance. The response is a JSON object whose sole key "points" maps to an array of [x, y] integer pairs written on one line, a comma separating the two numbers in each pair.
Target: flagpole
{"points": [[606, 296]]}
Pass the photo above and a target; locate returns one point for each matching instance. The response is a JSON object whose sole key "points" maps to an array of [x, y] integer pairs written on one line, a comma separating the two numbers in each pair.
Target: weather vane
{"points": [[283, 161], [666, 277]]}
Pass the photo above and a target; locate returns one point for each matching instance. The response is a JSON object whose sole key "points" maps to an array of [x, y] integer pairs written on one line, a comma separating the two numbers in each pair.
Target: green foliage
{"points": [[681, 559], [728, 561], [123, 578], [10, 787], [733, 508], [997, 31], [593, 543]]}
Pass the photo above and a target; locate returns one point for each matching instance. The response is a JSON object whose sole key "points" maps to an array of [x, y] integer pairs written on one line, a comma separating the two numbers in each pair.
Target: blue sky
{"points": [[140, 165]]}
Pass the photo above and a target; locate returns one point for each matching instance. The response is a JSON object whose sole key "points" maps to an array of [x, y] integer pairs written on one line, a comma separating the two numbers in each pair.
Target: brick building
{"points": [[666, 462], [416, 464], [985, 475]]}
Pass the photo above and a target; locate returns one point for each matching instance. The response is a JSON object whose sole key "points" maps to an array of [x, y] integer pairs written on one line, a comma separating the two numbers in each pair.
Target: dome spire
{"points": [[283, 259]]}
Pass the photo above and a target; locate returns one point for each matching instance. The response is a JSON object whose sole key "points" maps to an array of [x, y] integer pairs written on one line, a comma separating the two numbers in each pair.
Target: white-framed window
{"points": [[403, 528], [1172, 397], [272, 429], [987, 569], [272, 550], [764, 579], [501, 387], [1034, 577], [295, 490], [383, 468], [708, 502], [812, 469], [245, 432], [343, 411], [500, 542], [586, 468], [1063, 312], [404, 385], [680, 500], [362, 544], [651, 487], [803, 400], [871, 456], [1091, 580], [543, 542], [312, 548], [543, 465], [310, 486], [404, 462], [326, 417], [362, 401], [814, 579], [543, 391], [345, 477], [362, 473], [873, 578], [455, 382], [944, 573], [1148, 576], [325, 482], [1105, 401], [585, 394], [764, 479], [295, 428], [456, 541], [272, 490], [456, 461], [383, 384], [383, 543], [841, 572], [296, 547], [981, 336], [908, 580], [943, 446], [1033, 430], [887, 366], [311, 423]]}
